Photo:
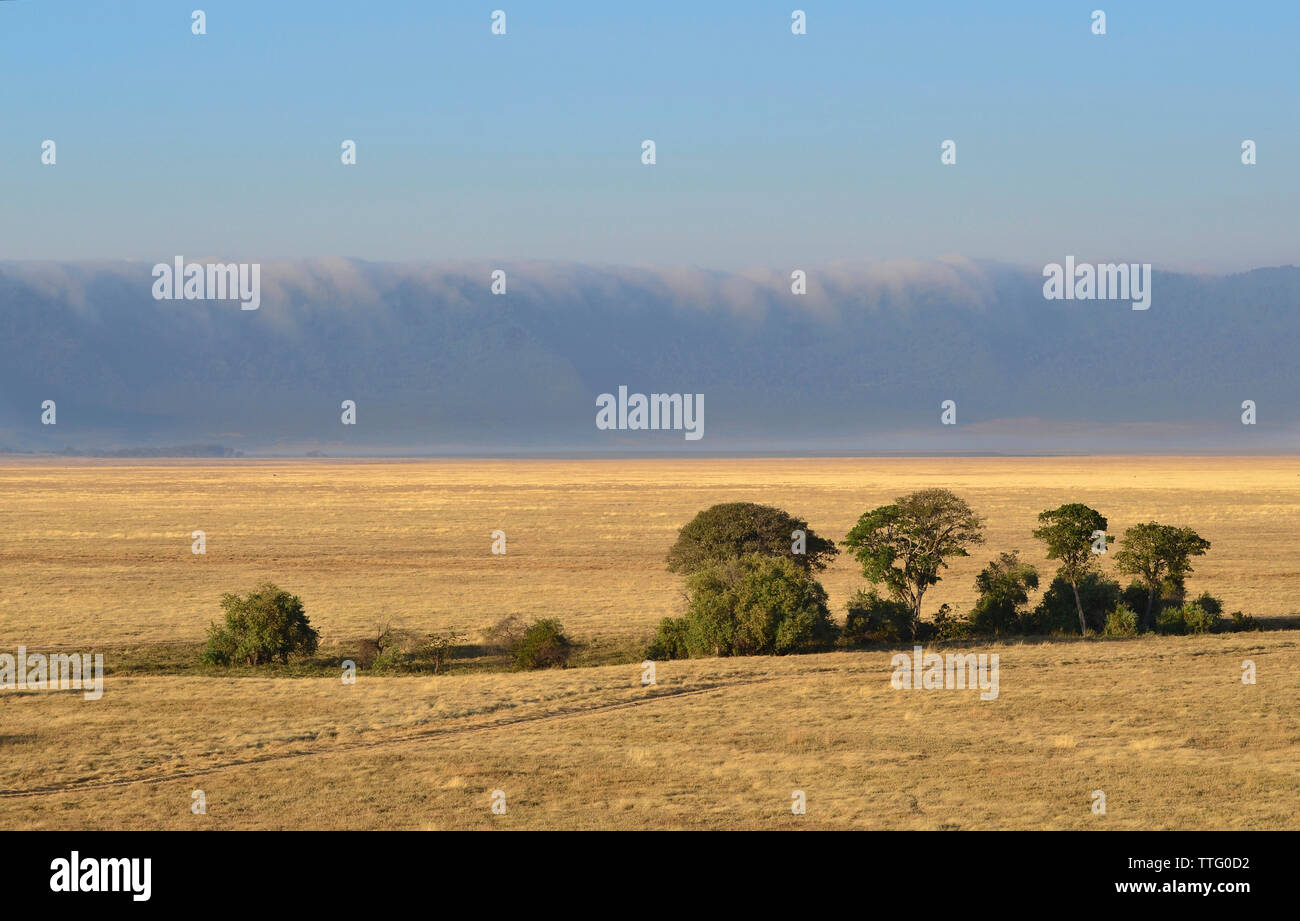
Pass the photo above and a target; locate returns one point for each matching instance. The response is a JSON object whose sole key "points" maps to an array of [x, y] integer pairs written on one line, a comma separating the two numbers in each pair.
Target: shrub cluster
{"points": [[751, 588], [541, 644]]}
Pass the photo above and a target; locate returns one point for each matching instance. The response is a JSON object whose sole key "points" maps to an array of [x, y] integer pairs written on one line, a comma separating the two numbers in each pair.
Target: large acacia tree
{"points": [[734, 529], [904, 545], [1067, 531], [1158, 554]]}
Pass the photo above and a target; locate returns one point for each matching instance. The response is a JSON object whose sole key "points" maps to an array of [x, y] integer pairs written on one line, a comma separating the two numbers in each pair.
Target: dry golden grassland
{"points": [[1164, 726], [99, 553], [95, 555]]}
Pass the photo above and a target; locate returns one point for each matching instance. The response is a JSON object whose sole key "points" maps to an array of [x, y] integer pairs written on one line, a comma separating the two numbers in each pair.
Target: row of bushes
{"points": [[750, 577], [756, 605], [270, 624], [1110, 612]]}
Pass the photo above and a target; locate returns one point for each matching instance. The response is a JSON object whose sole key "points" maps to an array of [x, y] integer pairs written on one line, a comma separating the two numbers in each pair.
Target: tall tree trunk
{"points": [[1078, 605], [1151, 597]]}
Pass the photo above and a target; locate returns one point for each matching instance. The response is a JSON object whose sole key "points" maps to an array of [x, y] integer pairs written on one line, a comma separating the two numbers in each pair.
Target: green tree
{"points": [[751, 605], [903, 546], [266, 625], [733, 529], [1068, 533], [1003, 586], [1158, 555]]}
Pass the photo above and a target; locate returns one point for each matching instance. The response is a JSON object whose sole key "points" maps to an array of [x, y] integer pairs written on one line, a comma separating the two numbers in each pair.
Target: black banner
{"points": [[151, 870]]}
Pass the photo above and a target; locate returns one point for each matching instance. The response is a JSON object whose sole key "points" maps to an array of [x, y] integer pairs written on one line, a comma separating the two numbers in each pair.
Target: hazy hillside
{"points": [[436, 362]]}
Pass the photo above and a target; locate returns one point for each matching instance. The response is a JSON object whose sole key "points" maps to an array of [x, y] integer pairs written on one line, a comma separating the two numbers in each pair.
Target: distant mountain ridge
{"points": [[437, 363]]}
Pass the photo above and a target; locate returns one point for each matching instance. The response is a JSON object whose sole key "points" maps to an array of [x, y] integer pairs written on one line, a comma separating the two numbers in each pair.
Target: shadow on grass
{"points": [[471, 658]]}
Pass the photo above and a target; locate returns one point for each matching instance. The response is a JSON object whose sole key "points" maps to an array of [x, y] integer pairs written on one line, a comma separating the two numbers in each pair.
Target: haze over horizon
{"points": [[437, 364]]}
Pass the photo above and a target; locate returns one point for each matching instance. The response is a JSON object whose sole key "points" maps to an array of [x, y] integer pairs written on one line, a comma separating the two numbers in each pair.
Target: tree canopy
{"points": [[903, 546], [1158, 554], [734, 529], [1068, 533]]}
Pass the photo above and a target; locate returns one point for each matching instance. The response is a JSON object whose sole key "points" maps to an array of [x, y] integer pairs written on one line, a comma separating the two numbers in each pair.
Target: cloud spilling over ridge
{"points": [[436, 362]]}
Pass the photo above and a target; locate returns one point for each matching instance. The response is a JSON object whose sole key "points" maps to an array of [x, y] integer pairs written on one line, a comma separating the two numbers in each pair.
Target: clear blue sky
{"points": [[774, 150]]}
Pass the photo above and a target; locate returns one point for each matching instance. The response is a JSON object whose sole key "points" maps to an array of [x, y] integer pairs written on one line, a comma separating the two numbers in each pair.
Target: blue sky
{"points": [[774, 150]]}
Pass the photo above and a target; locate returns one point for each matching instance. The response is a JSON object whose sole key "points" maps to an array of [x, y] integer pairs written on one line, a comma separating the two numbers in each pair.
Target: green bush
{"points": [[1187, 618], [267, 625], [1135, 597], [994, 616], [948, 626], [670, 640], [1122, 621], [751, 605], [1209, 604], [1056, 613], [1242, 621], [387, 661], [872, 619], [1197, 619], [1170, 620], [1003, 585], [543, 645], [1167, 605]]}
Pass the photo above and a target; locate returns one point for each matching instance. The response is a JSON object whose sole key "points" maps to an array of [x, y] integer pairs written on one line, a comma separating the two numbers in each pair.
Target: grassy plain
{"points": [[95, 556], [99, 552]]}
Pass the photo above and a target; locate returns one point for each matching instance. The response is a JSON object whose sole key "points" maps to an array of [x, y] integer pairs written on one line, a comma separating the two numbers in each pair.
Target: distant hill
{"points": [[436, 363]]}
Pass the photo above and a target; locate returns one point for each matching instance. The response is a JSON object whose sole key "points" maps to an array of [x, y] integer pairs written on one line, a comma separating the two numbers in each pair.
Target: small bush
{"points": [[1242, 621], [1003, 585], [439, 648], [752, 605], [756, 605], [1170, 620], [1197, 619], [388, 660], [505, 634], [1122, 621], [991, 616], [873, 619], [406, 651], [268, 624], [372, 650], [1209, 604], [948, 626], [1187, 618], [543, 645], [669, 641]]}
